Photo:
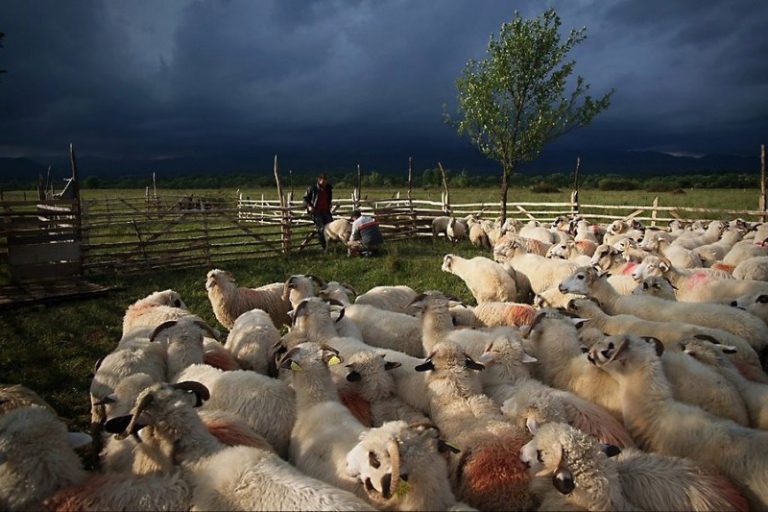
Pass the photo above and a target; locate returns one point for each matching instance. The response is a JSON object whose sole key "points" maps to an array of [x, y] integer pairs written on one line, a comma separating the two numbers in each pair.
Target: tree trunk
{"points": [[505, 173]]}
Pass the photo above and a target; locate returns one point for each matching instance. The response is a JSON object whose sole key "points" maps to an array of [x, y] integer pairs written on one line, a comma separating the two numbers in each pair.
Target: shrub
{"points": [[542, 187], [617, 184]]}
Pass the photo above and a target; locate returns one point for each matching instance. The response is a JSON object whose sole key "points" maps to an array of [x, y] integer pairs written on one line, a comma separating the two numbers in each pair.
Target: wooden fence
{"points": [[134, 235]]}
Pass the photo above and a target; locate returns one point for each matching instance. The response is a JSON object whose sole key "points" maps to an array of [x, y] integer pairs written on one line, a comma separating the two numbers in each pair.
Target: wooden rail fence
{"points": [[140, 234]]}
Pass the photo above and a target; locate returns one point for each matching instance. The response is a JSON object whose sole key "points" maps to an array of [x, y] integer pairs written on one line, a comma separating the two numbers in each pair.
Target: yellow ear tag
{"points": [[295, 366], [334, 360], [403, 488]]}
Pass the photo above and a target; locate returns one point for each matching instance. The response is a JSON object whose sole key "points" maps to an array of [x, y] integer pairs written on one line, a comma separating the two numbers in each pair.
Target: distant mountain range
{"points": [[636, 163]]}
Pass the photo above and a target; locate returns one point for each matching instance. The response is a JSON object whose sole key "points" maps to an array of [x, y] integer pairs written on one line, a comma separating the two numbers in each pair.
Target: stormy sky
{"points": [[162, 79]]}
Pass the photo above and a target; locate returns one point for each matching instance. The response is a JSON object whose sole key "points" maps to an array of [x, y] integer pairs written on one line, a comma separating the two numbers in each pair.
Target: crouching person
{"points": [[366, 239]]}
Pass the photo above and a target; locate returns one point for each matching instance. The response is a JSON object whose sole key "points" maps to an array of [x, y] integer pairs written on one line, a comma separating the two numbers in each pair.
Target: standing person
{"points": [[317, 200], [366, 239]]}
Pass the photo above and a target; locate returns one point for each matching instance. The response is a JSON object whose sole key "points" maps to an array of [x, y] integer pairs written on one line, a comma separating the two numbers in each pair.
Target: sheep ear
{"points": [[563, 478], [728, 349], [78, 439], [446, 447], [341, 314], [201, 392], [390, 365], [118, 425], [301, 310], [287, 363], [610, 450], [160, 328], [579, 322], [473, 365], [538, 318], [532, 426], [707, 337], [657, 342], [207, 328], [527, 358], [425, 366], [670, 283]]}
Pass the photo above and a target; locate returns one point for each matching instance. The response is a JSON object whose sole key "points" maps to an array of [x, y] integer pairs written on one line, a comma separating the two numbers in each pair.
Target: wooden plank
{"points": [[43, 253], [44, 271], [39, 237]]}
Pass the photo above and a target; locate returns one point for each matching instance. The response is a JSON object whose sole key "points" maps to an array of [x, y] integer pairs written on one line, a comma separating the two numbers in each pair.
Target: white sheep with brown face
{"points": [[570, 470], [653, 417], [230, 301]]}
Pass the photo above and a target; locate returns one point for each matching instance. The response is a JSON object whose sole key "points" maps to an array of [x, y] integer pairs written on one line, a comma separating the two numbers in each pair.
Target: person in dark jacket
{"points": [[366, 238], [318, 200]]}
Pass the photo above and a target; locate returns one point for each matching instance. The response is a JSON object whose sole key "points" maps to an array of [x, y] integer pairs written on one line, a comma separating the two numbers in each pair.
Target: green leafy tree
{"points": [[514, 101]]}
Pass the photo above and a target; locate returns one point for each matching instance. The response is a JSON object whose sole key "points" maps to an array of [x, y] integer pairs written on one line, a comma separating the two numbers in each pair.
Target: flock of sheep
{"points": [[608, 367]]}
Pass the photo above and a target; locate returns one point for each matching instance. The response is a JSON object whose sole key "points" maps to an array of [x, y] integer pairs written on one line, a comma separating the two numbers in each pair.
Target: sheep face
{"points": [[618, 355], [219, 278], [580, 281], [709, 353], [561, 251], [752, 302], [308, 357], [368, 373], [337, 291], [652, 266], [617, 227], [447, 263], [584, 307], [509, 354], [603, 256]]}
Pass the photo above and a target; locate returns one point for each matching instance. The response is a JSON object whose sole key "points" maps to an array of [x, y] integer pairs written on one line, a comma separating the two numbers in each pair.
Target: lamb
{"points": [[698, 286], [586, 281], [755, 395], [251, 340], [653, 417], [402, 468], [338, 230], [147, 307], [229, 301], [670, 333], [477, 235], [755, 269], [221, 477], [267, 405], [456, 230], [439, 225], [36, 457], [588, 476], [755, 303], [486, 279], [319, 447], [488, 475], [390, 298]]}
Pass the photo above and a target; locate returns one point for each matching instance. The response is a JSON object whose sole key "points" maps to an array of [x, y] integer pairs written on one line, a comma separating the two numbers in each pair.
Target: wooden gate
{"points": [[41, 239]]}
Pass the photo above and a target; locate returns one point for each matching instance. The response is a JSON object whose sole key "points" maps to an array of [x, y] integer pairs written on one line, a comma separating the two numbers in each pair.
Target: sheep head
{"points": [[581, 280], [657, 286], [508, 354], [619, 355], [368, 374], [309, 357], [709, 353], [217, 278], [652, 266]]}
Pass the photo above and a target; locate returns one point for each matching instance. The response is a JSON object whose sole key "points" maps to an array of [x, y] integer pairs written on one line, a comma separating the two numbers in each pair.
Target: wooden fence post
{"points": [[575, 203], [762, 183], [357, 192], [447, 195], [285, 228], [410, 195], [654, 212]]}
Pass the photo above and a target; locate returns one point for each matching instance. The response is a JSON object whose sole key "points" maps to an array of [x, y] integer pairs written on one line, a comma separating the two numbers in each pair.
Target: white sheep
{"points": [[439, 225], [571, 471], [228, 478], [387, 329], [755, 269], [325, 430], [494, 314], [692, 239], [477, 235], [679, 256], [251, 340], [267, 405], [486, 279], [337, 230], [143, 312], [670, 333], [755, 394], [656, 286], [392, 298], [745, 250], [716, 251], [537, 232], [456, 230], [653, 417], [230, 301], [13, 396], [402, 468], [585, 231], [488, 475], [586, 281], [300, 286], [36, 457]]}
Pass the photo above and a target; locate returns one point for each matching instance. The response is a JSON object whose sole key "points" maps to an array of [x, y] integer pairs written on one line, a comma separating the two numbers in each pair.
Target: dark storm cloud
{"points": [[178, 77]]}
